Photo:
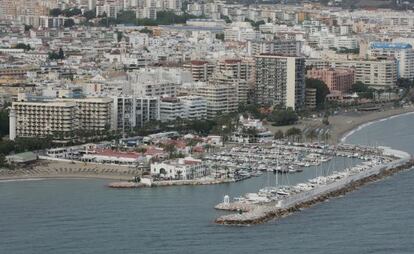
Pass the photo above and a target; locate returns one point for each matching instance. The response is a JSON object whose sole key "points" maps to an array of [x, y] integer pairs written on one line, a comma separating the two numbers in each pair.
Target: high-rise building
{"points": [[276, 46], [130, 112], [280, 81], [42, 119], [93, 113], [227, 78], [403, 52], [60, 117], [221, 98]]}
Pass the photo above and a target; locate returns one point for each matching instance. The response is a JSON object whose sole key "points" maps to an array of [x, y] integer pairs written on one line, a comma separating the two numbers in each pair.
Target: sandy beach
{"points": [[344, 122], [58, 170]]}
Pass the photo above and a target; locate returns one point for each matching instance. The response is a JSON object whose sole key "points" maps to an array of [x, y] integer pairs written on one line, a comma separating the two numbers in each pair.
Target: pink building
{"points": [[336, 79]]}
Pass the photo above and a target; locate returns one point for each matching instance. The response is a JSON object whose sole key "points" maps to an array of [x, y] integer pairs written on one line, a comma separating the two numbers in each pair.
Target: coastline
{"points": [[342, 126], [44, 169], [59, 177]]}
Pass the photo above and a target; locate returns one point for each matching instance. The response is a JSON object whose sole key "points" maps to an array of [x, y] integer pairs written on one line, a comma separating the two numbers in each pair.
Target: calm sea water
{"points": [[83, 216]]}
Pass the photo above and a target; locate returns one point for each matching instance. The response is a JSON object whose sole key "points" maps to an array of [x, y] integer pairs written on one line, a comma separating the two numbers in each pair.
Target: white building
{"points": [[181, 169], [130, 112], [403, 52], [240, 31], [221, 98], [194, 107], [171, 109]]}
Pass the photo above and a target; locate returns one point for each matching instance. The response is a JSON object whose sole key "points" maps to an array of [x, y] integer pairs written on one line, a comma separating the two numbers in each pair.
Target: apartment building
{"points": [[59, 119], [194, 107], [200, 70], [377, 73], [335, 79], [403, 52], [275, 46], [242, 34], [221, 98], [227, 78], [41, 118], [129, 112], [171, 108], [280, 81], [154, 89], [94, 114], [240, 68]]}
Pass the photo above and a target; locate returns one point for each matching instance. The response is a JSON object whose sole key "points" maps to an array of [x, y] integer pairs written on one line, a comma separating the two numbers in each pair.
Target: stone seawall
{"points": [[256, 214]]}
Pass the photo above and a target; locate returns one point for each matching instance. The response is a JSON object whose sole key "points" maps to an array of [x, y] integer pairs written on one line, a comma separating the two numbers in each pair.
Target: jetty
{"points": [[267, 204]]}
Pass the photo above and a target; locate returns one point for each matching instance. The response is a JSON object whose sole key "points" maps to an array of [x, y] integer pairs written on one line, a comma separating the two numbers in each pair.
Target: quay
{"points": [[148, 183], [249, 213]]}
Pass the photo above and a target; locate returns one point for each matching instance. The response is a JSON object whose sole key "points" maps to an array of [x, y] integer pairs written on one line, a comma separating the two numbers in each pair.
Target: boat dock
{"points": [[260, 207]]}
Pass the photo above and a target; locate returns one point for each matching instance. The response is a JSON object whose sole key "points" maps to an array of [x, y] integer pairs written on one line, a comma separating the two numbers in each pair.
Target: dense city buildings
{"points": [[167, 60]]}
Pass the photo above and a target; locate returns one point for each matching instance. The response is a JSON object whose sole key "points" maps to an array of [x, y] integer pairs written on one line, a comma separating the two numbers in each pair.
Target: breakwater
{"points": [[259, 213]]}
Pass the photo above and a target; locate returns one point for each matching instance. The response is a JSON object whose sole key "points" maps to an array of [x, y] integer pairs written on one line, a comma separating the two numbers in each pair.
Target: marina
{"points": [[279, 201]]}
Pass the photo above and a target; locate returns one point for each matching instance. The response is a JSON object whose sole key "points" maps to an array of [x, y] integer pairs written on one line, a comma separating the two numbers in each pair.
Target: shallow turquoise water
{"points": [[83, 216]]}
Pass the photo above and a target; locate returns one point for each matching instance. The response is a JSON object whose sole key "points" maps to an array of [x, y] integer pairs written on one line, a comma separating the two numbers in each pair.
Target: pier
{"points": [[257, 212]]}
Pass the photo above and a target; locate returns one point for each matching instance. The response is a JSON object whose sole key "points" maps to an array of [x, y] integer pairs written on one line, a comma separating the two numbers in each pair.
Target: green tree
{"points": [[363, 90], [145, 31], [322, 91], [360, 87], [27, 28], [294, 133], [70, 12], [91, 14], [68, 23], [4, 122], [170, 149], [220, 36], [312, 134], [279, 135], [119, 36], [283, 117], [26, 47], [226, 19], [55, 12], [404, 83]]}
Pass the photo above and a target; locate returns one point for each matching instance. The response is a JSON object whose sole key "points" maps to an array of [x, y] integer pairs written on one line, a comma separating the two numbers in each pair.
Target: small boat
{"points": [[282, 193], [256, 173]]}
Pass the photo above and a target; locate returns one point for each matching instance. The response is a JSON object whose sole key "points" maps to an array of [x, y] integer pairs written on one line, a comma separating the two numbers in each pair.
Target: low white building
{"points": [[180, 169]]}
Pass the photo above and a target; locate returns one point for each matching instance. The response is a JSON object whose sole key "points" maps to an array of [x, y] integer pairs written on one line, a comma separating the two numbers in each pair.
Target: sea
{"points": [[84, 216]]}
